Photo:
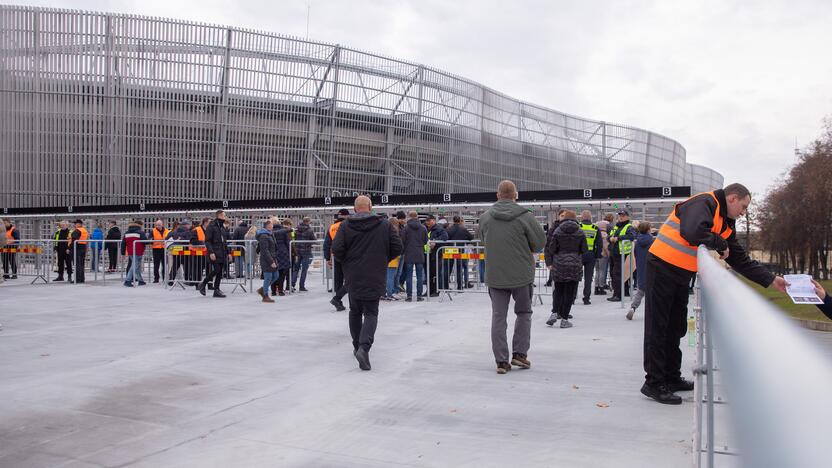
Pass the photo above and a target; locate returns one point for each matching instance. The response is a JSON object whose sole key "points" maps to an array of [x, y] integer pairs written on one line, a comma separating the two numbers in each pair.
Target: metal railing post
{"points": [[621, 275]]}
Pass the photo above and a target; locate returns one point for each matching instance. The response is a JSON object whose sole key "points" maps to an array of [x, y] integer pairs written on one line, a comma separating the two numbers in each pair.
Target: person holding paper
{"points": [[826, 307]]}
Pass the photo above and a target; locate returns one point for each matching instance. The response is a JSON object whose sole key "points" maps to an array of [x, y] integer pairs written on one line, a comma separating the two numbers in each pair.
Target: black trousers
{"points": [[565, 293], [9, 263], [215, 273], [615, 273], [338, 284], [281, 283], [64, 263], [589, 273], [665, 321], [112, 254], [363, 322], [80, 262], [158, 264]]}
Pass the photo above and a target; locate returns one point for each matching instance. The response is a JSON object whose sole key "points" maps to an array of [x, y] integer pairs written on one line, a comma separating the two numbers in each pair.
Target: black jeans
{"points": [[565, 293], [363, 322], [10, 262], [64, 263], [616, 270], [665, 321], [282, 280], [338, 282], [80, 262], [215, 273], [589, 272], [158, 263], [112, 254]]}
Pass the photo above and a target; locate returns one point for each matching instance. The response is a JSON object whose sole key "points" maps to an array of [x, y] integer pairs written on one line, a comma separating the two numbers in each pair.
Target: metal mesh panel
{"points": [[100, 108]]}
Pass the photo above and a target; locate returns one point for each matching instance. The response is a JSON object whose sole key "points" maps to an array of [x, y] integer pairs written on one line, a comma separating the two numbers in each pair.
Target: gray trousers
{"points": [[522, 325], [601, 267], [637, 297]]}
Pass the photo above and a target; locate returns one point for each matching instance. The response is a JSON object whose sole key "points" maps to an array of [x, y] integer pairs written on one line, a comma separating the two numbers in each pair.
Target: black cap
{"points": [[78, 221], [623, 212], [400, 215], [343, 212], [430, 216]]}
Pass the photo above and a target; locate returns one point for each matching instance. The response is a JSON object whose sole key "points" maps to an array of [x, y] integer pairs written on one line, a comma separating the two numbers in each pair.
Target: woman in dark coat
{"points": [[284, 258], [566, 249], [268, 261]]}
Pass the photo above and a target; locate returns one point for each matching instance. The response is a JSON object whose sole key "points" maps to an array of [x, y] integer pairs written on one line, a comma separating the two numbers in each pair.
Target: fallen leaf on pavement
{"points": [[602, 405]]}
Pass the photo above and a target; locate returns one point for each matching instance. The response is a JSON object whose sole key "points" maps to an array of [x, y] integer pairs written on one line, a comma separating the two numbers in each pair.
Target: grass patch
{"points": [[782, 302]]}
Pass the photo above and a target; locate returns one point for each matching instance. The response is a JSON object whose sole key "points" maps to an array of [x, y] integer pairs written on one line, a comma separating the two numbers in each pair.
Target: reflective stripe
{"points": [[677, 246], [673, 224]]}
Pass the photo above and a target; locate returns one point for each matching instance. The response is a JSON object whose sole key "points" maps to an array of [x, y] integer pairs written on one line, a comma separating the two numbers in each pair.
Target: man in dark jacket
{"points": [[706, 219], [112, 238], [215, 244], [436, 233], [64, 259], [458, 232], [594, 243], [268, 258], [337, 270], [182, 236], [79, 240], [622, 236], [365, 244], [10, 258], [282, 239], [414, 238], [304, 237]]}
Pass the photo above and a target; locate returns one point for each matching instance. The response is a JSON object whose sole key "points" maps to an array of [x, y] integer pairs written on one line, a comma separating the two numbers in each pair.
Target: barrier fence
{"points": [[27, 259]]}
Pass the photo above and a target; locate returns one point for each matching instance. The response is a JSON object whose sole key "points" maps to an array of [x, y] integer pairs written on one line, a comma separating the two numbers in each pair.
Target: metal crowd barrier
{"points": [[777, 381], [317, 263], [452, 260], [27, 259]]}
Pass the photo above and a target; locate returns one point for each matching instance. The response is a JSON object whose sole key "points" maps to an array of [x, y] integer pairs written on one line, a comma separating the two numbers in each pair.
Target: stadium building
{"points": [[100, 108]]}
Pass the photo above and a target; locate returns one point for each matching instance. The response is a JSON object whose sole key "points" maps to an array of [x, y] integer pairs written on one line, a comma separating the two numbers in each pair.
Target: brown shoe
{"points": [[520, 361], [261, 293], [503, 367], [267, 299]]}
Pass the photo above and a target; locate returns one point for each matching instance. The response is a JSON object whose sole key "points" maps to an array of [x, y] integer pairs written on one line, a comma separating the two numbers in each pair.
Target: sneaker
{"points": [[503, 367], [565, 324], [408, 299], [586, 301], [128, 284], [363, 358], [420, 298], [142, 283], [302, 289], [520, 361], [293, 289], [339, 306], [201, 288], [630, 313], [218, 293], [661, 394], [434, 294], [614, 299], [552, 319], [680, 385]]}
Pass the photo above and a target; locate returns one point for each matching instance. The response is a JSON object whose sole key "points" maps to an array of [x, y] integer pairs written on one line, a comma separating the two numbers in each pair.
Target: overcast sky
{"points": [[737, 83]]}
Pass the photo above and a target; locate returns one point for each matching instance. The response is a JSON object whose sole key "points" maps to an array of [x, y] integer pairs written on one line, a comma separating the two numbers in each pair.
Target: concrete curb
{"points": [[815, 325]]}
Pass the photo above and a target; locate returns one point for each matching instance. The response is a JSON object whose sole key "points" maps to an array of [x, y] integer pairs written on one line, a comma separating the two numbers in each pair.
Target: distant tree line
{"points": [[795, 218]]}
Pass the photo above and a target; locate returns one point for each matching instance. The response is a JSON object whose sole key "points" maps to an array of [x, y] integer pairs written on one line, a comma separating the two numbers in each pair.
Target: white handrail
{"points": [[778, 381]]}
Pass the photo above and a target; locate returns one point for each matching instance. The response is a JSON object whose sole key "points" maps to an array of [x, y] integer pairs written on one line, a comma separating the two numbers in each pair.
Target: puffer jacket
{"points": [[304, 233], [281, 238], [566, 250], [268, 249], [414, 237]]}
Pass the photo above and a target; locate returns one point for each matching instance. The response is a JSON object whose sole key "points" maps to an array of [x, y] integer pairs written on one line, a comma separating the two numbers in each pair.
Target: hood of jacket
{"points": [[506, 210], [644, 239], [134, 228], [261, 231], [567, 226], [364, 222], [414, 224]]}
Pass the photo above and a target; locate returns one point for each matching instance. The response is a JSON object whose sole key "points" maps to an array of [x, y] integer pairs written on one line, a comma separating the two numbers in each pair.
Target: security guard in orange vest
{"points": [[338, 280], [159, 233], [78, 249], [706, 219], [199, 263], [10, 258]]}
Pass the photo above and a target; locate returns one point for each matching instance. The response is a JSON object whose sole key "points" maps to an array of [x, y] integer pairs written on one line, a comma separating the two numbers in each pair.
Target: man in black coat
{"points": [[458, 232], [64, 259], [215, 243], [436, 233], [113, 237], [364, 245]]}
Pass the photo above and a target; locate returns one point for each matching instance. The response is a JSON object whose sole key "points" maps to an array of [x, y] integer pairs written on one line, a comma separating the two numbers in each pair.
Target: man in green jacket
{"points": [[511, 236]]}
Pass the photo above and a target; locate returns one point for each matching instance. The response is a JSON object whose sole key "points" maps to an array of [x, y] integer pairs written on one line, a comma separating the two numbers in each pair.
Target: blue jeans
{"points": [[420, 278], [135, 271], [482, 270], [269, 277], [96, 258], [302, 265], [392, 284]]}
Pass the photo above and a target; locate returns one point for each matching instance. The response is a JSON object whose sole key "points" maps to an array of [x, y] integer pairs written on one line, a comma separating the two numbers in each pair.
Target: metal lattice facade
{"points": [[103, 108]]}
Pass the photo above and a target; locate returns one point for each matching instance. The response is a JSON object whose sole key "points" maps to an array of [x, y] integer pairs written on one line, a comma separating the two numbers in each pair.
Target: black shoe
{"points": [[680, 385], [6, 277], [339, 306], [662, 394], [302, 289], [142, 283], [201, 288], [408, 299], [210, 287], [586, 301], [170, 283], [363, 358], [420, 298], [434, 294], [614, 299], [281, 293], [60, 278], [218, 293]]}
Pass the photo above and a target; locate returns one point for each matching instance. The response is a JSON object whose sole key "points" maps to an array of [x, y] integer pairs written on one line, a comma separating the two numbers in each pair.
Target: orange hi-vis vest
{"points": [[333, 229], [9, 236], [82, 240], [671, 247], [157, 236], [200, 233]]}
